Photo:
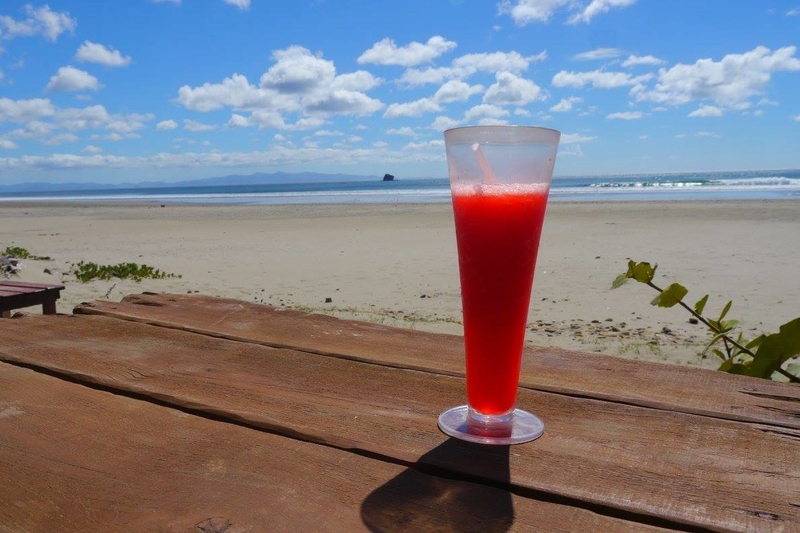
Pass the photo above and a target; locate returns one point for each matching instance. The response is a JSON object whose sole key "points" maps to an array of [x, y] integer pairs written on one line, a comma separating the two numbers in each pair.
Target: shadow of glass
{"points": [[416, 501]]}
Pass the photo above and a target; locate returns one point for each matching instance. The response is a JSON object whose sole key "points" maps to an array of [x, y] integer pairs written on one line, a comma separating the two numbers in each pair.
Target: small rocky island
{"points": [[388, 177]]}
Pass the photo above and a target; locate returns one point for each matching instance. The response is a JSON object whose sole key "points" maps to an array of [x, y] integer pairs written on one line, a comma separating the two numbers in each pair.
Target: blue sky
{"points": [[141, 90]]}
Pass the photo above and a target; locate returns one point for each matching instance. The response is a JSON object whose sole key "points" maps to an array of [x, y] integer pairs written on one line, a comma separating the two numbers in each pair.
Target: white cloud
{"points": [[523, 12], [328, 133], [435, 144], [61, 138], [40, 21], [707, 134], [25, 110], [633, 61], [237, 121], [412, 109], [464, 66], [342, 102], [84, 118], [598, 53], [195, 126], [796, 118], [7, 144], [129, 123], [297, 70], [166, 1], [241, 4], [298, 83], [165, 125], [598, 78], [596, 7], [626, 115], [91, 149], [235, 92], [497, 61], [72, 79], [405, 130], [572, 138], [435, 75], [360, 80], [386, 52], [485, 111], [456, 91], [793, 12], [277, 155], [729, 82], [706, 111], [566, 104], [511, 89], [444, 123], [97, 53]]}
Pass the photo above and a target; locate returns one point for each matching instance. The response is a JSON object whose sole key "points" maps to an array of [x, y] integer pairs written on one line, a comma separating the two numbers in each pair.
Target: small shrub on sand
{"points": [[88, 271], [21, 253]]}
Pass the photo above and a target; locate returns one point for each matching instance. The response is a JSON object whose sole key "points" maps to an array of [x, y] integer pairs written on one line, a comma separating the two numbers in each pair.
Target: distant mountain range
{"points": [[259, 178]]}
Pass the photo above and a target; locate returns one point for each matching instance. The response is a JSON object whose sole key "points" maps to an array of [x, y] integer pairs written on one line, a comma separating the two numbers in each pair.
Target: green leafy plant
{"points": [[22, 253], [765, 356], [88, 271]]}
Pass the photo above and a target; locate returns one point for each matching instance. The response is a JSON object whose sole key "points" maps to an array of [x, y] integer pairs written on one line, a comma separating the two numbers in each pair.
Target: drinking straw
{"points": [[488, 175]]}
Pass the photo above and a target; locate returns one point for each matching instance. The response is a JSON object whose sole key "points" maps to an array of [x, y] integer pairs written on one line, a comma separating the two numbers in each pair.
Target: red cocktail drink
{"points": [[497, 229], [500, 178]]}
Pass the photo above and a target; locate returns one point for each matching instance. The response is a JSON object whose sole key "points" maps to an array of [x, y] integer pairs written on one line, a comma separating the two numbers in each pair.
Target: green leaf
{"points": [[713, 341], [738, 368], [620, 280], [670, 296], [718, 353], [727, 325], [776, 349], [642, 272], [700, 305], [755, 342], [725, 310]]}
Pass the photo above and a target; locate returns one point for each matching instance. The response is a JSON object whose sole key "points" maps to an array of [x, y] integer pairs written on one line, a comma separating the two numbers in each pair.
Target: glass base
{"points": [[515, 428]]}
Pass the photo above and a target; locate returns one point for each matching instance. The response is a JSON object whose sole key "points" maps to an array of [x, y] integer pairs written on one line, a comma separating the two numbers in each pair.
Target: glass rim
{"points": [[510, 133]]}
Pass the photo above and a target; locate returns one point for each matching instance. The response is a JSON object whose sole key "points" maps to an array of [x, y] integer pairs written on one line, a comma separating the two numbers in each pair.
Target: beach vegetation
{"points": [[770, 356], [18, 252], [87, 271]]}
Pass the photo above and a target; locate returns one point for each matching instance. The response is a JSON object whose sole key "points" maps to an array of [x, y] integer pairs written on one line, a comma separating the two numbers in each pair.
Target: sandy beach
{"points": [[396, 263]]}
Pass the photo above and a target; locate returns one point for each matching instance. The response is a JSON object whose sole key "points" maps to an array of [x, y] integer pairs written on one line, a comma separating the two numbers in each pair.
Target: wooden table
{"points": [[18, 294], [189, 413]]}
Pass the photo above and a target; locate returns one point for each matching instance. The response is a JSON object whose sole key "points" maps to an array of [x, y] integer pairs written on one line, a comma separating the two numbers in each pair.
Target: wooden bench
{"points": [[18, 294]]}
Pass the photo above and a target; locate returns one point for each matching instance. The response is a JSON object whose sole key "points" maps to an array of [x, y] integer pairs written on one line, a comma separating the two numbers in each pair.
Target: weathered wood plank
{"points": [[605, 455], [654, 385], [77, 459]]}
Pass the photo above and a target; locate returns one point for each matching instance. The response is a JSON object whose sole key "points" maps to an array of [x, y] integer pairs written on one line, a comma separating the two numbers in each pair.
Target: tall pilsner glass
{"points": [[499, 178]]}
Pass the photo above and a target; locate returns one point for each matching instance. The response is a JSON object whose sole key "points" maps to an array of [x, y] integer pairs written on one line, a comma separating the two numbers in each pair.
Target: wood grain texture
{"points": [[654, 385], [605, 456], [77, 459]]}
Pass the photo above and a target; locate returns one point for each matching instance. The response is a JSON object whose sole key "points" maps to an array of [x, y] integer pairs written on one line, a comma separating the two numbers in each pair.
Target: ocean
{"points": [[744, 185]]}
